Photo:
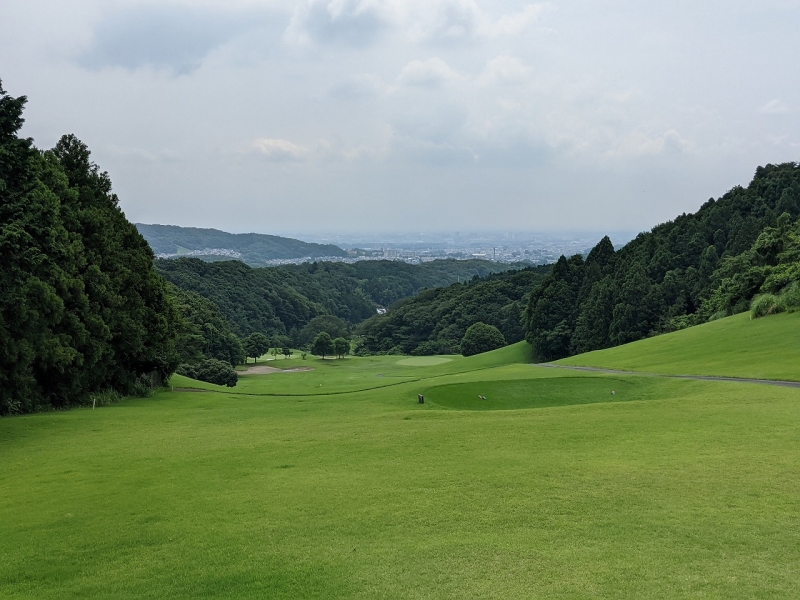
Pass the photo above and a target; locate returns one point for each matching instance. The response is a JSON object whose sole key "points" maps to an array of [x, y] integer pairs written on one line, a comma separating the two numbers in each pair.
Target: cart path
{"points": [[789, 384]]}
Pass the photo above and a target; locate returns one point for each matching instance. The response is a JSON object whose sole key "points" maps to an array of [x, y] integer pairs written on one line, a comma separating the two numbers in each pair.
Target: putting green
{"points": [[423, 361], [535, 393]]}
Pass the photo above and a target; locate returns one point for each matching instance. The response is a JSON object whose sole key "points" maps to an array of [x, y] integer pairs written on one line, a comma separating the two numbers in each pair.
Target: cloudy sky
{"points": [[411, 115]]}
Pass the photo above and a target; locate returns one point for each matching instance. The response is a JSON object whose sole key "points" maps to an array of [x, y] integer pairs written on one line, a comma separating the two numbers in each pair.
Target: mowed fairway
{"points": [[348, 488], [766, 348]]}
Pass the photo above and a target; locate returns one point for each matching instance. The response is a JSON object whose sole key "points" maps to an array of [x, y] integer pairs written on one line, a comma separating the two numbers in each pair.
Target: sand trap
{"points": [[266, 370]]}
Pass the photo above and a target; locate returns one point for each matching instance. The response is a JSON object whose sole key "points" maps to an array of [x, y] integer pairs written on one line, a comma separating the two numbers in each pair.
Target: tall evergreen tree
{"points": [[81, 307]]}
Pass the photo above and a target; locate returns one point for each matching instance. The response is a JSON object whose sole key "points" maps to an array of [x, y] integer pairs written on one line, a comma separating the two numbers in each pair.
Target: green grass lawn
{"points": [[551, 487], [766, 348]]}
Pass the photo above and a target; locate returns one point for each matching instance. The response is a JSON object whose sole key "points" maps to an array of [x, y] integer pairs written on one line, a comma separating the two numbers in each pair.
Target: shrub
{"points": [[481, 337], [766, 304], [142, 387], [210, 370], [427, 348], [105, 397], [790, 297]]}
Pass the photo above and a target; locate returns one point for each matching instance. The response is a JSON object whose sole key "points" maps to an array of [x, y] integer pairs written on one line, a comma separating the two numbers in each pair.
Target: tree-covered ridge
{"points": [[435, 321], [255, 248], [81, 308], [665, 279], [282, 300]]}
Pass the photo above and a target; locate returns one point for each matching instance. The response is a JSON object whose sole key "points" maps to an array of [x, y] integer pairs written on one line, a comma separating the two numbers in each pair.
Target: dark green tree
{"points": [[256, 345], [553, 309], [333, 326], [322, 344], [81, 307], [341, 347], [481, 337]]}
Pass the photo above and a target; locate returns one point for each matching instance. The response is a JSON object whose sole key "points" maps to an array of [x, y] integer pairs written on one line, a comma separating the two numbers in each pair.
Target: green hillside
{"points": [[284, 299], [766, 348], [253, 248]]}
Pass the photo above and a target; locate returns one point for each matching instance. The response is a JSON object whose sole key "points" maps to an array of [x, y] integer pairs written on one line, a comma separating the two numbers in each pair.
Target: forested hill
{"points": [[282, 300], [435, 321], [697, 267], [255, 249]]}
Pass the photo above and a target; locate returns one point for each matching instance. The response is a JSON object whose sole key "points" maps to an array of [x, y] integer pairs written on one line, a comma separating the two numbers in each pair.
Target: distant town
{"points": [[506, 247], [510, 247]]}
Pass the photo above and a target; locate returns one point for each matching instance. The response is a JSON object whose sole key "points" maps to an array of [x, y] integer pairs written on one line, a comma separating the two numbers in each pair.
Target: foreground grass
{"points": [[667, 489], [766, 348]]}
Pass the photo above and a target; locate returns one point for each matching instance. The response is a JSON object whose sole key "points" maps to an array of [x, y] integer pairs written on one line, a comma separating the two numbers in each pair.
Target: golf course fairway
{"points": [[337, 483]]}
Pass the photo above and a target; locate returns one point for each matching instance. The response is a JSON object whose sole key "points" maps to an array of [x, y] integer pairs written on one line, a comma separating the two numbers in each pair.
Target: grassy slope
{"points": [[676, 489], [766, 348]]}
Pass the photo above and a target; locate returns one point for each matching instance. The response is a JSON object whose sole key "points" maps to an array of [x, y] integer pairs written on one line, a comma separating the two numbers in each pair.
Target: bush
{"points": [[766, 304], [105, 397], [210, 370], [481, 337], [427, 348], [142, 387], [790, 297]]}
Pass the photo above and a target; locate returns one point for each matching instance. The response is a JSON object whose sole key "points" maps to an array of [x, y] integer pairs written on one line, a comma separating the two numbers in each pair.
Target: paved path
{"points": [[789, 384]]}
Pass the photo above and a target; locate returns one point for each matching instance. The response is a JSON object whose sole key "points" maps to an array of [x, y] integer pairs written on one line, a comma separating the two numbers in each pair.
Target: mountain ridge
{"points": [[255, 249]]}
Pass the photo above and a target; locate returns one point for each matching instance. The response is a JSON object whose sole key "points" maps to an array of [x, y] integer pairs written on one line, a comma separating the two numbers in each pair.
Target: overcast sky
{"points": [[415, 115]]}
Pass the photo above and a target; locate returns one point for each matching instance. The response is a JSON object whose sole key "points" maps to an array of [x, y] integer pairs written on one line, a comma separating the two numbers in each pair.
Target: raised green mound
{"points": [[540, 393], [424, 361], [766, 348]]}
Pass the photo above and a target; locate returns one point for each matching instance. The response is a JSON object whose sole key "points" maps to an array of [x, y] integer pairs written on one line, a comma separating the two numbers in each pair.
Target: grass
{"points": [[765, 348], [552, 487]]}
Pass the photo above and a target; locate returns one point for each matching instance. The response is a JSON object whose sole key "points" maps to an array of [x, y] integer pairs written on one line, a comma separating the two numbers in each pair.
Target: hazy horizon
{"points": [[441, 115]]}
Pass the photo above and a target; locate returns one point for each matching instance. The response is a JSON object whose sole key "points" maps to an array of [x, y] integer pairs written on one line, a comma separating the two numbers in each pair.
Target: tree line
{"points": [[698, 267], [283, 300], [82, 310]]}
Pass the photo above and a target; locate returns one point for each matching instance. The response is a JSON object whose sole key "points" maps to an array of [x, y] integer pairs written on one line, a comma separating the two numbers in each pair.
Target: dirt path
{"points": [[789, 384]]}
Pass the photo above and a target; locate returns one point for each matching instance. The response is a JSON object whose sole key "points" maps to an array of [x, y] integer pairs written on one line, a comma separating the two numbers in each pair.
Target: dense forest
{"points": [[699, 266], [435, 321], [255, 248], [82, 310], [283, 300]]}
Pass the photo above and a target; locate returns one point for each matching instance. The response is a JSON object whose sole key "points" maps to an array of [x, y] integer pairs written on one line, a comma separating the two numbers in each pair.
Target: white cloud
{"points": [[774, 107], [431, 73], [509, 25], [505, 69], [360, 22], [280, 150]]}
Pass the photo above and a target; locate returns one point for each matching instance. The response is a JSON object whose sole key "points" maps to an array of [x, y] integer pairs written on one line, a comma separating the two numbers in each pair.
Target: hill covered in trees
{"points": [[255, 249], [82, 310], [435, 321], [698, 267], [684, 272], [282, 300]]}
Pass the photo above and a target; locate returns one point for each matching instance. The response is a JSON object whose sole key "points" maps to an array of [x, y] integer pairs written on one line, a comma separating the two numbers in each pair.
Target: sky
{"points": [[411, 115]]}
